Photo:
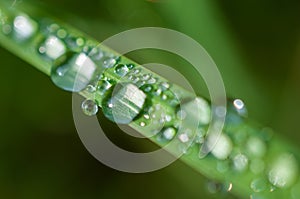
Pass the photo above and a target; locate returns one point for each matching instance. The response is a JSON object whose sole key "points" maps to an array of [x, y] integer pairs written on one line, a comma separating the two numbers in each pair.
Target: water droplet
{"points": [[53, 47], [259, 185], [109, 62], [146, 77], [240, 107], [184, 138], [121, 70], [24, 27], [91, 88], [142, 124], [169, 133], [89, 107], [136, 71], [256, 147], [74, 74], [221, 145], [124, 103], [80, 41], [147, 88], [240, 162], [62, 33], [164, 86], [152, 80], [283, 171], [140, 83]]}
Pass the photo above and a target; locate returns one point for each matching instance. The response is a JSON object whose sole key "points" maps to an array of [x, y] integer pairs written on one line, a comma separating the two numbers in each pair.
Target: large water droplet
{"points": [[89, 107], [74, 74], [284, 171], [124, 103]]}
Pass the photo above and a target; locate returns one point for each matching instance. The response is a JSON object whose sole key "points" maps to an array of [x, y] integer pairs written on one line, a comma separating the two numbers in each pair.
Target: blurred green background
{"points": [[255, 44]]}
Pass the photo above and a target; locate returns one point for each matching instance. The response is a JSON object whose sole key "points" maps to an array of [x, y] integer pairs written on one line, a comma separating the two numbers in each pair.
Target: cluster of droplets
{"points": [[242, 149], [78, 65]]}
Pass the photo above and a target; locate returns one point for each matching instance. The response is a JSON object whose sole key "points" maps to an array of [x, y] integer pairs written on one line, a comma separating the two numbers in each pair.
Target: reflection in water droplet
{"points": [[74, 74], [124, 104], [89, 107], [284, 171]]}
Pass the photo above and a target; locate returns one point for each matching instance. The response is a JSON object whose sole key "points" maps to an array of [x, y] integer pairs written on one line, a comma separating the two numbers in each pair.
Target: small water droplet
{"points": [[142, 124], [164, 86], [121, 70], [109, 62], [169, 133], [89, 107], [91, 88], [152, 80], [80, 41], [147, 88], [259, 185], [140, 83], [184, 138], [62, 33], [240, 107], [124, 103], [146, 77], [240, 162]]}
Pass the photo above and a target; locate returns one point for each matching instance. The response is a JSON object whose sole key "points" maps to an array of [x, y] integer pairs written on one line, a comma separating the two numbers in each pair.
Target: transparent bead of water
{"points": [[121, 70], [240, 162], [124, 103], [89, 107], [109, 62], [169, 133], [74, 74]]}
